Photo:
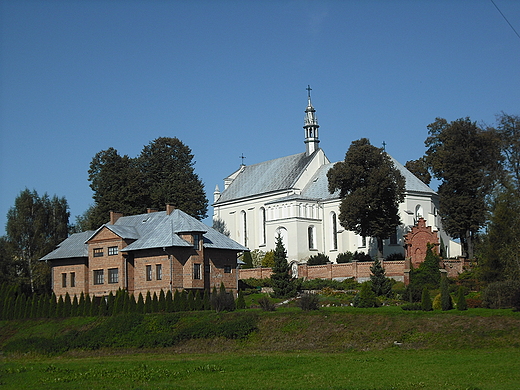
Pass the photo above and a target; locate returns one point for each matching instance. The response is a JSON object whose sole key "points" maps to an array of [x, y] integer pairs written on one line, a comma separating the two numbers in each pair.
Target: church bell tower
{"points": [[311, 126]]}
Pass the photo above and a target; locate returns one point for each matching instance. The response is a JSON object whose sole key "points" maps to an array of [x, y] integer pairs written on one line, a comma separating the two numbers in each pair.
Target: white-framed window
{"points": [[148, 273], [113, 275], [158, 271], [362, 242], [113, 250], [99, 276], [196, 271]]}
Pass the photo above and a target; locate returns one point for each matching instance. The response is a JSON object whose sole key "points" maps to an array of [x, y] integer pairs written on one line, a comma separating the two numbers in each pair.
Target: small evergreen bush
{"points": [[309, 302], [318, 259], [345, 257], [414, 306], [365, 297]]}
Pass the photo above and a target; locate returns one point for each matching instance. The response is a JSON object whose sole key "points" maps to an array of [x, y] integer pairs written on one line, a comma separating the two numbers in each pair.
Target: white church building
{"points": [[289, 196]]}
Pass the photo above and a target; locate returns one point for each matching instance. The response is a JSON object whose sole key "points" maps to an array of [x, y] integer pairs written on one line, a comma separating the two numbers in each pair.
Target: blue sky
{"points": [[229, 77]]}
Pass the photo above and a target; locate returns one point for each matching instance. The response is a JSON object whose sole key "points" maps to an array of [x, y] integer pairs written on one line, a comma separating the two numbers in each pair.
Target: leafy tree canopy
{"points": [[420, 169], [467, 161], [371, 189], [162, 174], [35, 226]]}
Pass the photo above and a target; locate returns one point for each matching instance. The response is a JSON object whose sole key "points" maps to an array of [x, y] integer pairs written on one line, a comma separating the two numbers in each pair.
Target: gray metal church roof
{"points": [[316, 189], [269, 176]]}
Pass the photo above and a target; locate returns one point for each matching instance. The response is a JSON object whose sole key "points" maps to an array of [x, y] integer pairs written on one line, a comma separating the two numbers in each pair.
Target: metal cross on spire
{"points": [[242, 157], [384, 146], [309, 89]]}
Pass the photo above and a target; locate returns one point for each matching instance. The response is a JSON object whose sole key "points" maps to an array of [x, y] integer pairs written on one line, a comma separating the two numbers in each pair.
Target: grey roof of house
{"points": [[153, 230], [73, 246], [268, 176], [317, 188]]}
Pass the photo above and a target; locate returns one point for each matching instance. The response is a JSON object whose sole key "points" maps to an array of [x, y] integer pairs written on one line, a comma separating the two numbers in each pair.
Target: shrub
{"points": [[499, 295], [416, 306], [266, 304], [319, 259], [361, 256], [268, 260], [365, 297], [474, 302], [394, 257], [345, 257], [241, 302], [309, 302], [222, 300]]}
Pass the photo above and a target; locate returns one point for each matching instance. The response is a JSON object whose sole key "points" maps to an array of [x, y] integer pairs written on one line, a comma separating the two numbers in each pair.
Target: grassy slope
{"points": [[334, 348]]}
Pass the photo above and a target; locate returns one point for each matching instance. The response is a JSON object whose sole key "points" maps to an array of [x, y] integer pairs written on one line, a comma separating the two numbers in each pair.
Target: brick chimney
{"points": [[149, 211], [169, 209], [114, 217]]}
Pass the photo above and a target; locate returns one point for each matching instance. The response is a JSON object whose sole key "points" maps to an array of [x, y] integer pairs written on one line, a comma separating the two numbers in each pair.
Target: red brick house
{"points": [[160, 250]]}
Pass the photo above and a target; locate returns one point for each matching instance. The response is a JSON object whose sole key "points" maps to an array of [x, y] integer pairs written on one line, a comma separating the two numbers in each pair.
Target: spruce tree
{"points": [[365, 297], [241, 302], [75, 306], [155, 303], [87, 306], [283, 283], [446, 303], [190, 299], [110, 304], [81, 305], [177, 304], [381, 285], [59, 307], [53, 303], [206, 305], [148, 303], [162, 301], [461, 299], [426, 302], [67, 305], [169, 302], [141, 308], [198, 301]]}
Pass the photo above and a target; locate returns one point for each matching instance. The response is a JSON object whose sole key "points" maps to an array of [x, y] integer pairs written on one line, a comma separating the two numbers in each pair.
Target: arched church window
{"points": [[262, 226], [418, 212], [282, 231], [312, 237], [334, 227], [243, 223]]}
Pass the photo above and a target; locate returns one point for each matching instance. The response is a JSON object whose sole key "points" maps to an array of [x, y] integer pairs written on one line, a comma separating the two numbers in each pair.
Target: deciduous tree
{"points": [[467, 161], [371, 189], [35, 226]]}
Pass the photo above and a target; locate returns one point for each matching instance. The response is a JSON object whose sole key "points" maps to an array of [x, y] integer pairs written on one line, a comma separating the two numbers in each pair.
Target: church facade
{"points": [[289, 196]]}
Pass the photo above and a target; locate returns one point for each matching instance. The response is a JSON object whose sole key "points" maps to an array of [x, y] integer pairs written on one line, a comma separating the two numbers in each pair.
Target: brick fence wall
{"points": [[359, 270]]}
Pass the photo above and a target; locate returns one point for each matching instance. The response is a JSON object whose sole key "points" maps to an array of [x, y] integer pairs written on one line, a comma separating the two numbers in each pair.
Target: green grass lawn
{"points": [[388, 369]]}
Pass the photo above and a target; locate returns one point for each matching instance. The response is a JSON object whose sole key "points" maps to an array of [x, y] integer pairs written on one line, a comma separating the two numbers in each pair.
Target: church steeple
{"points": [[310, 126]]}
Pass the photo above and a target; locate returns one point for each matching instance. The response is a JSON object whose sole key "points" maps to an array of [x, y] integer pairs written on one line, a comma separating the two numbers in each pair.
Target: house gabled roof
{"points": [[148, 231], [266, 177], [72, 247]]}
